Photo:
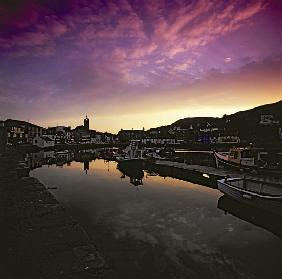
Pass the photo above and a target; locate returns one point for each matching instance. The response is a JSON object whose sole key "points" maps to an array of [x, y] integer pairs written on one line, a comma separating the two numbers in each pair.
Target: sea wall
{"points": [[39, 239]]}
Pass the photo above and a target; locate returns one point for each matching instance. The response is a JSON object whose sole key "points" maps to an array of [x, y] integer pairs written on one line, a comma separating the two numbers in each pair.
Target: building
{"points": [[3, 137], [85, 137], [43, 141], [97, 138], [206, 139], [80, 135], [60, 134], [159, 141], [228, 139], [86, 123], [154, 132], [268, 120], [128, 135], [20, 132]]}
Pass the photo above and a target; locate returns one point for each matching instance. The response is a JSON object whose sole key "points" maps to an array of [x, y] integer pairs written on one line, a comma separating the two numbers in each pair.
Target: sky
{"points": [[133, 63]]}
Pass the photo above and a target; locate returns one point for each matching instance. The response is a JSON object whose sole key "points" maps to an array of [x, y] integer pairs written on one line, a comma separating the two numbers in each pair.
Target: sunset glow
{"points": [[134, 64]]}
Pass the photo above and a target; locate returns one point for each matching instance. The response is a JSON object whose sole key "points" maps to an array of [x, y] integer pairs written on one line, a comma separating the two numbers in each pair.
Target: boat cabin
{"points": [[242, 156]]}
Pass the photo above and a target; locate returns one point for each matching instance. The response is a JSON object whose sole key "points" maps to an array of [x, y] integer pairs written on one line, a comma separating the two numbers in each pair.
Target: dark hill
{"points": [[246, 123]]}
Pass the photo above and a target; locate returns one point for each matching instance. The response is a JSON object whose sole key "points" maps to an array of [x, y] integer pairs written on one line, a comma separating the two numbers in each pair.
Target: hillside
{"points": [[245, 124]]}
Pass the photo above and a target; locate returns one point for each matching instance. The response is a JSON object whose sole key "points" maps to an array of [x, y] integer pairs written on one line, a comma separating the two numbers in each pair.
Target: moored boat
{"points": [[131, 154], [247, 159], [264, 195], [236, 158]]}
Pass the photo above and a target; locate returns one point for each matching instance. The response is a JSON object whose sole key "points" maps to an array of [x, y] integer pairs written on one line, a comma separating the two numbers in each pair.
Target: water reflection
{"points": [[170, 229], [61, 158], [135, 173], [253, 215]]}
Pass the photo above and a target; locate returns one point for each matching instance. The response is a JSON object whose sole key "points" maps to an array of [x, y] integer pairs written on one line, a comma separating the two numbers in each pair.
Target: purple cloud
{"points": [[79, 52]]}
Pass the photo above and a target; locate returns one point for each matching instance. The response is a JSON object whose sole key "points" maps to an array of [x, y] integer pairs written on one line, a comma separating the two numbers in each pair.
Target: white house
{"points": [[43, 141], [228, 139], [267, 120], [159, 141]]}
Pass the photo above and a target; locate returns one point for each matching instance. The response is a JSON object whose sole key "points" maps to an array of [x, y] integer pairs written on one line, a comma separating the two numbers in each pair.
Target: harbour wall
{"points": [[39, 239]]}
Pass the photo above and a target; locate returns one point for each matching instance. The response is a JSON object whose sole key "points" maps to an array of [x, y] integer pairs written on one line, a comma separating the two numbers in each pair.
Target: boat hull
{"points": [[225, 162], [256, 169], [274, 205]]}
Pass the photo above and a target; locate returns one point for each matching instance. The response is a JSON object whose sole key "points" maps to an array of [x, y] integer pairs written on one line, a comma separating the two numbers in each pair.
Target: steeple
{"points": [[86, 123]]}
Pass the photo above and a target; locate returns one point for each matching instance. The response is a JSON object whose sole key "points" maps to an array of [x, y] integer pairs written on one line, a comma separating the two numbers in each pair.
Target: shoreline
{"points": [[40, 238]]}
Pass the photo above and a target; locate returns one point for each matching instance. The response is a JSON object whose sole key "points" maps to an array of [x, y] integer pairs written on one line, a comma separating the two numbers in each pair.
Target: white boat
{"points": [[265, 195], [131, 153]]}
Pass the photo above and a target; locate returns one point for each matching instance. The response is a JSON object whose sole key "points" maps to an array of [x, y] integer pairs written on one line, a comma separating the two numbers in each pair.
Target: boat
{"points": [[110, 153], [236, 158], [247, 159], [260, 194], [256, 216], [131, 154]]}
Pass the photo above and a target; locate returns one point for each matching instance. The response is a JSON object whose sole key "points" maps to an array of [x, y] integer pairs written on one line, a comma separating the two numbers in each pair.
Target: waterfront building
{"points": [[20, 132], [96, 138], [127, 135], [43, 141], [60, 134], [159, 141]]}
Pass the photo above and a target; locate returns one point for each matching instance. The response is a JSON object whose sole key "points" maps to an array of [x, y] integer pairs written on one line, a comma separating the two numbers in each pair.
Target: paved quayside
{"points": [[216, 173], [39, 239]]}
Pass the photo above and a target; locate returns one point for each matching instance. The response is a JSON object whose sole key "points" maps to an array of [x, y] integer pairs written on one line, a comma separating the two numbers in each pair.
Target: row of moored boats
{"points": [[263, 194]]}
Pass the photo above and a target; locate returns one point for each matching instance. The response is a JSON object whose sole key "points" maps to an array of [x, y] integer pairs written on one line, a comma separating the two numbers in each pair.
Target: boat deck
{"points": [[260, 188]]}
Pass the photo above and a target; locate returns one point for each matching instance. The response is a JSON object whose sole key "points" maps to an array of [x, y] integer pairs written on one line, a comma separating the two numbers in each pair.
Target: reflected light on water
{"points": [[168, 222]]}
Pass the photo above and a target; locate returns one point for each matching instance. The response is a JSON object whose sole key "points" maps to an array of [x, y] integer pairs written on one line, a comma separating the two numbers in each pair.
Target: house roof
{"points": [[14, 122], [44, 138]]}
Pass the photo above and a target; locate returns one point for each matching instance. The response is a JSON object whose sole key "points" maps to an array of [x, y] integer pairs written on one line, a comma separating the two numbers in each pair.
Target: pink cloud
{"points": [[31, 39], [58, 28]]}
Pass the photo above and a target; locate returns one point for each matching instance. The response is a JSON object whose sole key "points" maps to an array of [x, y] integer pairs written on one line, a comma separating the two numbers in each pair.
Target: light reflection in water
{"points": [[167, 229]]}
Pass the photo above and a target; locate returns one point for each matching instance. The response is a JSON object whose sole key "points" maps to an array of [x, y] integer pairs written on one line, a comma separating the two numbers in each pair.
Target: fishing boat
{"points": [[264, 195], [131, 154], [247, 159], [236, 158]]}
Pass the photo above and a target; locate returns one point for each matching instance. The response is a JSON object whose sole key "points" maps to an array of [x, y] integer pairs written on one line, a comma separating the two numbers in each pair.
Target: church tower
{"points": [[86, 123]]}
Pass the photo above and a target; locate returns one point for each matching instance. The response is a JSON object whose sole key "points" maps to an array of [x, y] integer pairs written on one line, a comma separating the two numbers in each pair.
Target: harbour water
{"points": [[149, 226]]}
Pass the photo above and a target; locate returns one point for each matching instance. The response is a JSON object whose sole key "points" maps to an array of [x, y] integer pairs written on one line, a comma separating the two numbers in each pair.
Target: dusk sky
{"points": [[134, 64]]}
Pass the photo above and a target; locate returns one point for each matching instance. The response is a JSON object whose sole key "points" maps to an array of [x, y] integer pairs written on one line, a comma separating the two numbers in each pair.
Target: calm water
{"points": [[165, 228]]}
